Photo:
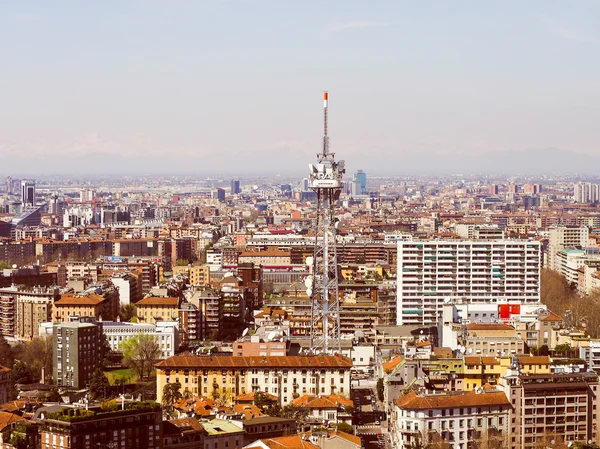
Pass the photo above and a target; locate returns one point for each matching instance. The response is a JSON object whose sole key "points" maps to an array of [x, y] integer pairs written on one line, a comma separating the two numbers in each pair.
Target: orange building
{"points": [[91, 305]]}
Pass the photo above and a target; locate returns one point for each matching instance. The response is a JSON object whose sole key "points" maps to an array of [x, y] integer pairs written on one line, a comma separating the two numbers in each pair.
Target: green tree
{"points": [[53, 396], [141, 353], [99, 385], [181, 262], [128, 311], [38, 356], [349, 409], [296, 412], [380, 389], [171, 394], [266, 403], [6, 353], [20, 374], [4, 265], [345, 427]]}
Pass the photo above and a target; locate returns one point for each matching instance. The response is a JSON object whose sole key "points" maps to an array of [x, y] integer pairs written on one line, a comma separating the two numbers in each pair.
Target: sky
{"points": [[234, 86]]}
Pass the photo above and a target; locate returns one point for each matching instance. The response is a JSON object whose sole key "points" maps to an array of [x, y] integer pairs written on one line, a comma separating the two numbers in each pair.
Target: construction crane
{"points": [[322, 286]]}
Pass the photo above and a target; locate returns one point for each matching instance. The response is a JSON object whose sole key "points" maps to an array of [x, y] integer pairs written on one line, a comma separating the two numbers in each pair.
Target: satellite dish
{"points": [[245, 332], [309, 260], [271, 335], [470, 351], [462, 349], [308, 282], [309, 291], [446, 300]]}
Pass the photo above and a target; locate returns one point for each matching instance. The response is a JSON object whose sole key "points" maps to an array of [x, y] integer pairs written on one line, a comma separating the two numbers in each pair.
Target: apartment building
{"points": [[200, 275], [153, 309], [34, 306], [458, 420], [76, 353], [586, 192], [227, 377], [564, 237], [431, 273], [206, 319], [560, 407], [569, 262], [495, 339], [82, 305]]}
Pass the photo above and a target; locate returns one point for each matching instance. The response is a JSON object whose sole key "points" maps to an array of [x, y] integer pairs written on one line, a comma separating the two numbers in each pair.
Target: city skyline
{"points": [[138, 87]]}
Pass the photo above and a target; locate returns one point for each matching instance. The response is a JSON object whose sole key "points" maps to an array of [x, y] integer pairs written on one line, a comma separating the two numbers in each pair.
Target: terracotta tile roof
{"points": [[8, 418], [289, 442], [534, 360], [443, 353], [477, 360], [489, 327], [346, 436], [391, 364], [411, 401], [248, 410], [227, 362], [201, 406], [551, 317], [326, 401], [187, 424], [74, 300], [157, 301]]}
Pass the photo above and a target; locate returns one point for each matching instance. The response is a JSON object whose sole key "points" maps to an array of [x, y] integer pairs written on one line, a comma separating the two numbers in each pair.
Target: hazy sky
{"points": [[235, 85]]}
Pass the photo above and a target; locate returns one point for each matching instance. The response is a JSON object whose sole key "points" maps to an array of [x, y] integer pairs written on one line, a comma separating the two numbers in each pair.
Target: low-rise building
{"points": [[165, 333]]}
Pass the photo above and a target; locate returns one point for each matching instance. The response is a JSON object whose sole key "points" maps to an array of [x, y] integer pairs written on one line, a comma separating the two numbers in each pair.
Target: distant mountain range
{"points": [[540, 161], [534, 162]]}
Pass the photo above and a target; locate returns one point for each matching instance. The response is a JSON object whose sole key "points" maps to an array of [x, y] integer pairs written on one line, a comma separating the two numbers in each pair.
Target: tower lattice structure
{"points": [[326, 181]]}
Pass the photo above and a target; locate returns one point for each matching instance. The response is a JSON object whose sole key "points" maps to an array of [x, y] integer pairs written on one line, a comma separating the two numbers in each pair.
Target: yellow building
{"points": [[481, 370], [200, 275], [223, 378], [153, 309]]}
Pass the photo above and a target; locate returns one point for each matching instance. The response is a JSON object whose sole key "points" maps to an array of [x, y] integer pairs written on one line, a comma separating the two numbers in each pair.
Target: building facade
{"points": [[227, 377], [431, 273], [76, 353]]}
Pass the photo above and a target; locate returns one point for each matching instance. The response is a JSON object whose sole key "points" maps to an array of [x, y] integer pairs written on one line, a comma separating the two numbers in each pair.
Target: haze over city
{"points": [[233, 86]]}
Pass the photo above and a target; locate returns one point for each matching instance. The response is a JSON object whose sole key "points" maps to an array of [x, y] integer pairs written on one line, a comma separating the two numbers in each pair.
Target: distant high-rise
{"points": [[235, 186], [493, 189], [305, 184], [218, 194], [513, 188], [28, 192], [361, 177], [586, 192], [8, 185]]}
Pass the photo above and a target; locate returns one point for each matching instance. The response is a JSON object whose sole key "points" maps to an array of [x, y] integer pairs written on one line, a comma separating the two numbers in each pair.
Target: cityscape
{"points": [[372, 228]]}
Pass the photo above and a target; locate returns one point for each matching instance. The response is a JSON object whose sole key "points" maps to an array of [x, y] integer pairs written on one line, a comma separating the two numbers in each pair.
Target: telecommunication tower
{"points": [[326, 180]]}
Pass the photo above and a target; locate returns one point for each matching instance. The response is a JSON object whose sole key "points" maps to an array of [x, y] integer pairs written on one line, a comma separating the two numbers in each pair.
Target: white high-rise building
{"points": [[586, 192], [431, 273], [28, 192], [564, 237]]}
